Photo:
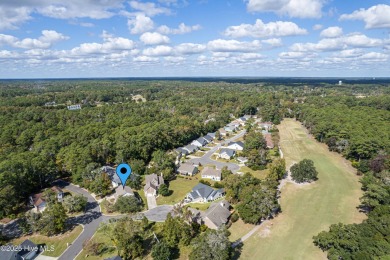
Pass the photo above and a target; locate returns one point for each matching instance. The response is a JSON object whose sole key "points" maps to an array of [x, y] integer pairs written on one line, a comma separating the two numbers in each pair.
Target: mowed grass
{"points": [[58, 243], [180, 188], [307, 209]]}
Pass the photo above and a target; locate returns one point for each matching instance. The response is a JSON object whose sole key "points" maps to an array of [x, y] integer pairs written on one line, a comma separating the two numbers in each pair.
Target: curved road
{"points": [[206, 158], [90, 220]]}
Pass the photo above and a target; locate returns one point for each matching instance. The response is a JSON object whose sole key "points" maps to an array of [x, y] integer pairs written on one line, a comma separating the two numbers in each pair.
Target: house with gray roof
{"points": [[200, 142], [187, 169], [236, 145], [182, 151], [212, 135], [26, 250], [204, 193], [210, 173], [111, 173], [208, 138], [217, 214], [153, 182], [226, 153], [191, 148]]}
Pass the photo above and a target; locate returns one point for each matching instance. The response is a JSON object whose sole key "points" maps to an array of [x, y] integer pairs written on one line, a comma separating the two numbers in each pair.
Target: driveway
{"points": [[206, 158], [152, 203], [158, 214]]}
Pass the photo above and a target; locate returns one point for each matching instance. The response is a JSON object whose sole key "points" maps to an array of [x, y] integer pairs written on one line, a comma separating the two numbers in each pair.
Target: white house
{"points": [[238, 146], [210, 173], [226, 153], [200, 142]]}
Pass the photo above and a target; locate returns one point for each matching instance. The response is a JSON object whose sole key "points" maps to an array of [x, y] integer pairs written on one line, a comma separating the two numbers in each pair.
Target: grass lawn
{"points": [[261, 174], [238, 229], [307, 209], [199, 154], [58, 242], [100, 237], [180, 188]]}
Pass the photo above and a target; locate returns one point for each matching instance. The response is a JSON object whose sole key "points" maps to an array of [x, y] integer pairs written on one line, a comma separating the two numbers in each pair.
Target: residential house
{"points": [[210, 173], [25, 251], [204, 193], [181, 151], [238, 146], [153, 182], [268, 139], [59, 193], [199, 142], [187, 169], [242, 159], [111, 173], [191, 148], [126, 191], [222, 132], [242, 120], [217, 214], [266, 126], [38, 200], [226, 153], [208, 138], [212, 135]]}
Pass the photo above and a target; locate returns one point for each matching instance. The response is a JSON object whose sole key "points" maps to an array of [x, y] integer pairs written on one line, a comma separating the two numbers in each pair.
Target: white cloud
{"points": [[330, 44], [150, 9], [317, 27], [161, 50], [145, 59], [111, 44], [190, 48], [274, 42], [260, 29], [45, 41], [377, 16], [154, 38], [233, 46], [174, 59], [292, 8], [332, 32], [14, 13], [182, 29], [140, 24]]}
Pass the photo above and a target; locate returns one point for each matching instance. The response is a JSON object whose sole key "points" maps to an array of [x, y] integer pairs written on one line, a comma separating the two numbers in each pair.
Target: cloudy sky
{"points": [[116, 38]]}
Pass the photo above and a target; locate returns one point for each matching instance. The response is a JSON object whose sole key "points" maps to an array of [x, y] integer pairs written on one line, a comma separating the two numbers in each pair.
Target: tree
{"points": [[135, 181], [127, 204], [163, 190], [254, 141], [257, 159], [53, 220], [213, 244], [161, 251], [277, 169], [304, 171], [101, 185], [76, 203], [225, 172]]}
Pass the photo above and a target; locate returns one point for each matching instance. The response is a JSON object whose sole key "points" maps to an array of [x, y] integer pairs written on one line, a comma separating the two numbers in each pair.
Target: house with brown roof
{"points": [[38, 200], [153, 182], [268, 140], [210, 173], [217, 214]]}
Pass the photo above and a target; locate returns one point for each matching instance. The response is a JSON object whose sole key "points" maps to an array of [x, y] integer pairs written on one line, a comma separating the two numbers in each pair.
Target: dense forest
{"points": [[41, 140]]}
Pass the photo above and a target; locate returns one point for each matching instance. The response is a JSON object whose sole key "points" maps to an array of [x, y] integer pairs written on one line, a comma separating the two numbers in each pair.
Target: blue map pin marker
{"points": [[123, 171]]}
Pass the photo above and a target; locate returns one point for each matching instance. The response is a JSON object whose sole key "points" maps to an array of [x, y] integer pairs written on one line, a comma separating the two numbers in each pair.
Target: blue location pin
{"points": [[123, 171]]}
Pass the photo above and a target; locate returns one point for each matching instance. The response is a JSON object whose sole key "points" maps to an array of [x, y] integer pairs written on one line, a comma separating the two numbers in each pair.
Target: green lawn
{"points": [[307, 209], [58, 243], [180, 187], [238, 229], [261, 174]]}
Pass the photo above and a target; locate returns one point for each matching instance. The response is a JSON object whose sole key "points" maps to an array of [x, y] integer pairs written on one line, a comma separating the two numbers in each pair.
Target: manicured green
{"points": [[310, 208], [180, 187]]}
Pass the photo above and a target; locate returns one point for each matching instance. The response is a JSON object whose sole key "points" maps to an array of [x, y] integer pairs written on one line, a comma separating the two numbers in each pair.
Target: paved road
{"points": [[206, 158], [90, 220]]}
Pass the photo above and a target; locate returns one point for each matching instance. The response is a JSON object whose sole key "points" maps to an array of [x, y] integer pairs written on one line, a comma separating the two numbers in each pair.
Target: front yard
{"points": [[59, 243], [179, 187], [260, 174]]}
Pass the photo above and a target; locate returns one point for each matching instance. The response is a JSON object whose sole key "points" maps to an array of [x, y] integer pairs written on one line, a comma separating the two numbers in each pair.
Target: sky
{"points": [[185, 38]]}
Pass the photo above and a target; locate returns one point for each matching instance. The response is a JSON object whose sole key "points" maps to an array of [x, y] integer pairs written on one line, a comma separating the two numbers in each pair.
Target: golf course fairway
{"points": [[307, 209]]}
